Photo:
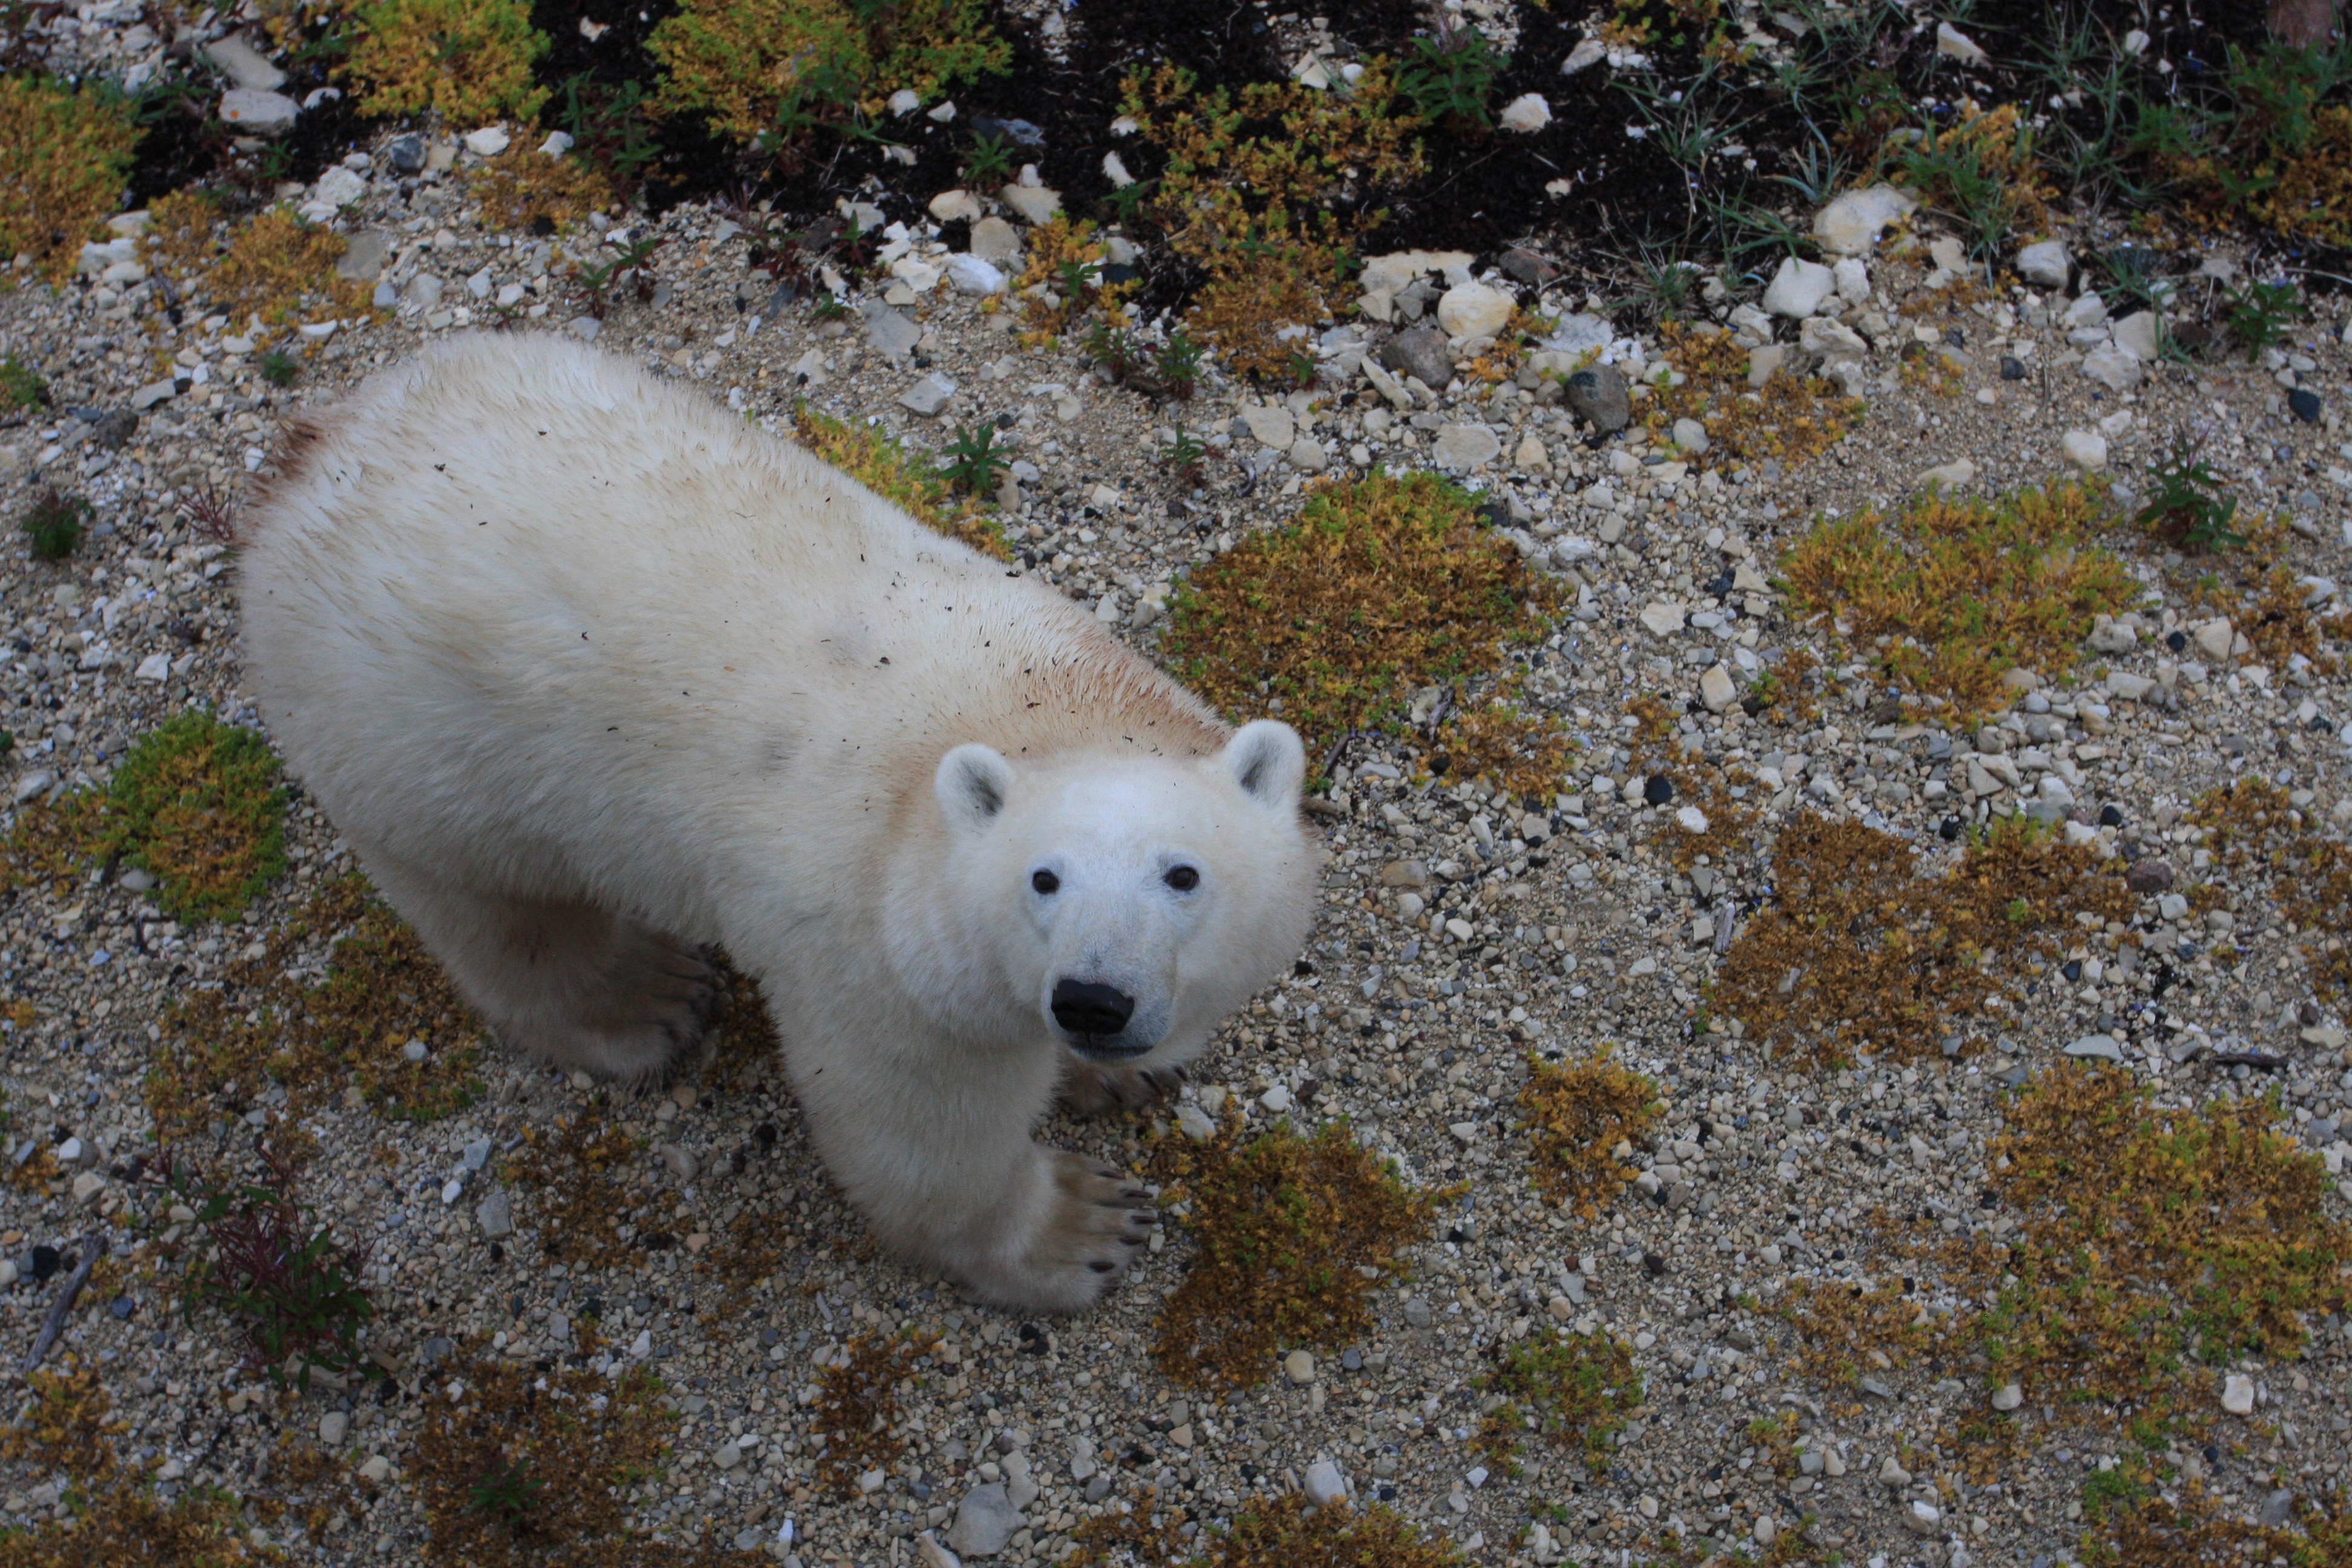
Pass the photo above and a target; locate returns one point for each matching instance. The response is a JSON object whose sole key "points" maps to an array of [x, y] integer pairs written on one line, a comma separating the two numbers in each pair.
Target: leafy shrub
{"points": [[21, 386], [289, 1285], [469, 59], [55, 524], [2187, 507], [196, 803], [1450, 75], [1381, 585], [910, 483], [1287, 1228], [1953, 594], [63, 156], [744, 63]]}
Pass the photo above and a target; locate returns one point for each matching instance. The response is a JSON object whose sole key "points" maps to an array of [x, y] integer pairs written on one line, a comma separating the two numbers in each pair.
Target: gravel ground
{"points": [[1458, 932]]}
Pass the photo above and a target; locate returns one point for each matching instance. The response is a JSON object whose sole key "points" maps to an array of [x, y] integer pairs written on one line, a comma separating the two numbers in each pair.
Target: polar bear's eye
{"points": [[1045, 882], [1183, 878]]}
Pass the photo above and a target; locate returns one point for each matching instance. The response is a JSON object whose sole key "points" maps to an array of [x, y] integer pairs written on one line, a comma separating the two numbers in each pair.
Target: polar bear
{"points": [[590, 674]]}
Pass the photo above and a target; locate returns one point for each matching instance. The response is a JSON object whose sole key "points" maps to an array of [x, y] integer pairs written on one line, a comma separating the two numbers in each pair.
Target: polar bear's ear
{"points": [[972, 783], [1267, 761]]}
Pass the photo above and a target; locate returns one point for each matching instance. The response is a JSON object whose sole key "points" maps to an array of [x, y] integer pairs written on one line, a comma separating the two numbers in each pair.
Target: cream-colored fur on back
{"points": [[590, 673]]}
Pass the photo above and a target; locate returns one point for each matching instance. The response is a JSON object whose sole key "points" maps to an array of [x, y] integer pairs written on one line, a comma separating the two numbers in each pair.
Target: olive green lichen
{"points": [[469, 59], [63, 156]]}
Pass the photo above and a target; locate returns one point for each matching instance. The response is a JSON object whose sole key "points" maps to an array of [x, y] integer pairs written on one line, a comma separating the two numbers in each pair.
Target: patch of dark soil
{"points": [[604, 42], [188, 145]]}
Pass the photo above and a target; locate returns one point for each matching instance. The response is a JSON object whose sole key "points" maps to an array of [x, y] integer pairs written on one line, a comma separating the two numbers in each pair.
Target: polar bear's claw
{"points": [[1089, 1089], [1088, 1238]]}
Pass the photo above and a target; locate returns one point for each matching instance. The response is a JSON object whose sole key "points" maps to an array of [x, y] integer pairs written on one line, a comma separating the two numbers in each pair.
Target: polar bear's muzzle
{"points": [[1094, 1016]]}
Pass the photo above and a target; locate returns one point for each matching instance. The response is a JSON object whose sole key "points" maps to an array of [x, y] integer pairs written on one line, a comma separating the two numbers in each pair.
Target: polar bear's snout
{"points": [[1096, 1016]]}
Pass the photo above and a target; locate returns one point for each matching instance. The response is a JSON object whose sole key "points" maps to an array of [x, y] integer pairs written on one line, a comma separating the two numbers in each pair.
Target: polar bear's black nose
{"points": [[1084, 1007]]}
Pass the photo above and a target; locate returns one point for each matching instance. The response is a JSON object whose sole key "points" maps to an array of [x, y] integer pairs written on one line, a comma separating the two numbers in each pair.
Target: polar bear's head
{"points": [[1133, 901]]}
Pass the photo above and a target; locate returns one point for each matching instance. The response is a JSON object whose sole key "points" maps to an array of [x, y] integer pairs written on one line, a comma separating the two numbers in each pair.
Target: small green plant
{"points": [[609, 127], [974, 460], [1450, 75], [2259, 313], [196, 803], [1184, 457], [507, 1493], [635, 260], [290, 1285], [1178, 366], [2188, 509], [595, 280], [20, 386], [1575, 1389], [279, 368], [828, 307], [54, 522], [1112, 346], [990, 162]]}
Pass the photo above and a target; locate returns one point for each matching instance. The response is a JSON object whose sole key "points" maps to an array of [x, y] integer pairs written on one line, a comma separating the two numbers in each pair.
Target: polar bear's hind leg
{"points": [[564, 982]]}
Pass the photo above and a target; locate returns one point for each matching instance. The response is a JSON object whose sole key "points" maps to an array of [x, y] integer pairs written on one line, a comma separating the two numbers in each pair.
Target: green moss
{"points": [[1950, 595], [469, 59], [63, 156], [1382, 585], [907, 481], [1293, 1233], [767, 68], [196, 803], [21, 386], [1279, 1532], [1578, 1390], [53, 524]]}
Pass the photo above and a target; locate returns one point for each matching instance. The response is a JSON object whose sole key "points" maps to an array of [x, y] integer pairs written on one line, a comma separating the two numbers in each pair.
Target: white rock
{"points": [[2112, 368], [968, 274], [2140, 335], [1852, 276], [1691, 435], [1299, 1367], [1690, 818], [916, 274], [2008, 1397], [996, 241], [1952, 474], [1834, 342], [1462, 447], [488, 141], [1474, 310], [1950, 41], [2044, 264], [1531, 458], [2086, 449], [35, 782], [1588, 52], [1662, 617], [956, 206], [1526, 112], [2214, 639], [153, 392], [1718, 691], [154, 666], [2102, 1047], [928, 396], [1308, 457], [245, 65], [1798, 288], [931, 1554], [2238, 1394], [1851, 224], [1395, 269], [558, 143], [1270, 423], [906, 100], [1323, 1483], [1115, 171], [984, 1521], [1036, 203], [1195, 1122], [258, 114]]}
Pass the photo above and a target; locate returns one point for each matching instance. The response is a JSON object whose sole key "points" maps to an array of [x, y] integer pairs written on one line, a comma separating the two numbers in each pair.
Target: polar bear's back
{"points": [[518, 580]]}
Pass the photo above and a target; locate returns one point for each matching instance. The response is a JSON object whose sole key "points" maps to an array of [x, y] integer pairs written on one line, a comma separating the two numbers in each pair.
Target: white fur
{"points": [[590, 674]]}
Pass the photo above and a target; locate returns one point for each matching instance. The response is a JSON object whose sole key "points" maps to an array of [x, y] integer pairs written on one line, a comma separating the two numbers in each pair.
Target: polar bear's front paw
{"points": [[1098, 1223], [1089, 1089]]}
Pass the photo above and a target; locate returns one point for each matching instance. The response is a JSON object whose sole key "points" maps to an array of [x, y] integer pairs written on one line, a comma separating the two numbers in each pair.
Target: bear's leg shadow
{"points": [[937, 1157], [562, 980]]}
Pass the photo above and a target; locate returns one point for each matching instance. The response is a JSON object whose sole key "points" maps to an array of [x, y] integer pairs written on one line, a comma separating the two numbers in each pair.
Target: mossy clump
{"points": [[1499, 737], [1578, 1390], [2158, 1521], [197, 803], [21, 386], [1287, 1531], [523, 186], [761, 71], [1383, 585], [857, 1407], [66, 1424], [908, 483], [124, 1522], [469, 59], [1848, 1330], [63, 156], [273, 265], [1857, 952], [524, 1466], [381, 1018], [53, 523], [1293, 1234], [1578, 1113], [2256, 828], [1790, 417], [2150, 1235], [1952, 594], [1265, 190], [579, 1181]]}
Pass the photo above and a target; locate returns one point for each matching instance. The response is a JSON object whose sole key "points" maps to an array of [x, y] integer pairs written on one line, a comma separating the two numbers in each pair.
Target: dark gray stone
{"points": [[1597, 395], [407, 153], [113, 430], [1420, 351], [2304, 404]]}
